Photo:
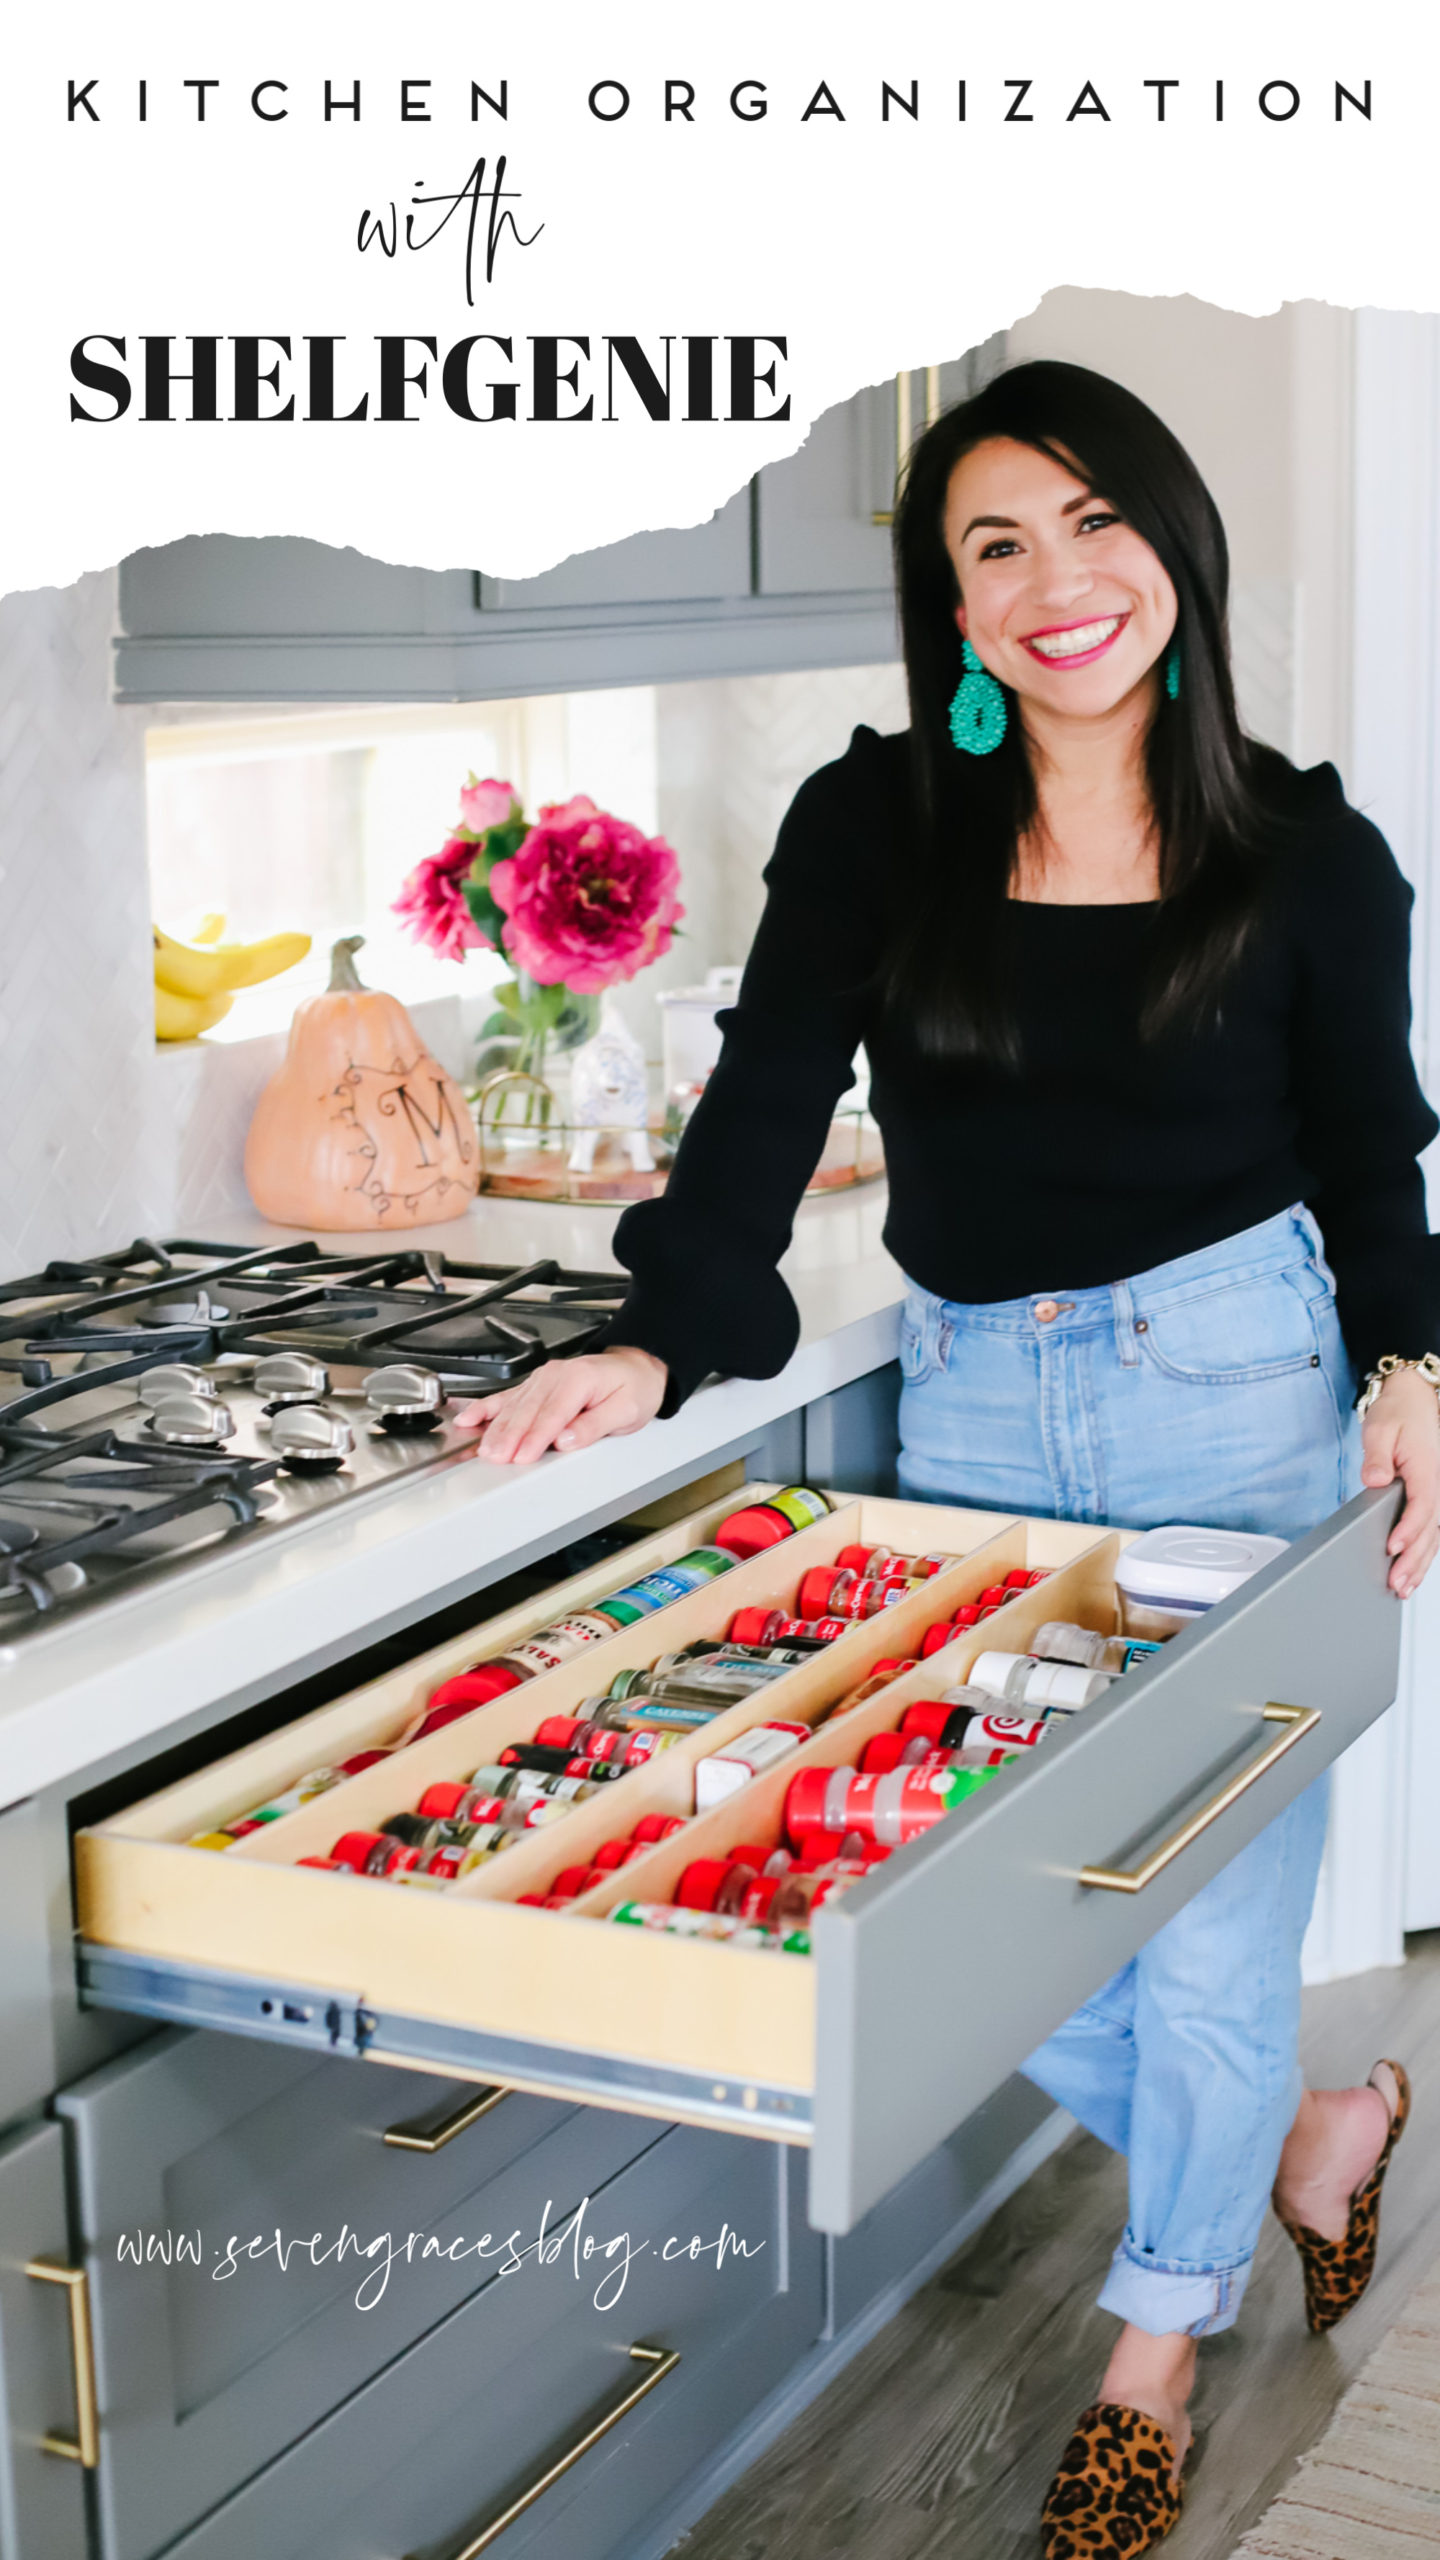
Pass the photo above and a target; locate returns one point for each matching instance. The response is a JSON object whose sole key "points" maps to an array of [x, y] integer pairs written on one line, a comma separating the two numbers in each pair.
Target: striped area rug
{"points": [[1370, 2489]]}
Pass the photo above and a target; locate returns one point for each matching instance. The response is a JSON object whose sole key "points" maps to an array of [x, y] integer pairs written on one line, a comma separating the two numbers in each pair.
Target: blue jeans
{"points": [[1214, 1389]]}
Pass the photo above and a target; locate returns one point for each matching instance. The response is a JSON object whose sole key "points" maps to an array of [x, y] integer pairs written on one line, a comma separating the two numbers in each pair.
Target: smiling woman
{"points": [[1135, 997]]}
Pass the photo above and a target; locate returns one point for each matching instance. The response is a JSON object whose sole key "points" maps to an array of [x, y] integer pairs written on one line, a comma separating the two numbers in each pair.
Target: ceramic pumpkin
{"points": [[360, 1127]]}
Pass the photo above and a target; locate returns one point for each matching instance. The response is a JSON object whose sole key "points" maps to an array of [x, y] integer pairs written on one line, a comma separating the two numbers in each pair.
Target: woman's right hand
{"points": [[569, 1403]]}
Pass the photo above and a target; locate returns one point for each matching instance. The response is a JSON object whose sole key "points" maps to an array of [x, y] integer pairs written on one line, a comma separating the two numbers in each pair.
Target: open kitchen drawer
{"points": [[929, 1982]]}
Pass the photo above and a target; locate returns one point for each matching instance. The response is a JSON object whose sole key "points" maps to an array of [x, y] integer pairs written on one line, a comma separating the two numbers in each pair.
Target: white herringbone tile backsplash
{"points": [[102, 1136], [83, 1155]]}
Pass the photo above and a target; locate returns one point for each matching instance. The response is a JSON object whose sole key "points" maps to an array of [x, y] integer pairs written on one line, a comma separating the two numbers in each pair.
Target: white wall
{"points": [[1263, 407]]}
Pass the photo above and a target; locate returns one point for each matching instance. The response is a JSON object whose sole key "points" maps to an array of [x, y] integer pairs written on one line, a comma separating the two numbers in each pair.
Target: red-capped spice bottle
{"points": [[715, 1884], [826, 1593], [371, 1853], [892, 1808], [764, 1524], [883, 1563], [766, 1627], [657, 1826]]}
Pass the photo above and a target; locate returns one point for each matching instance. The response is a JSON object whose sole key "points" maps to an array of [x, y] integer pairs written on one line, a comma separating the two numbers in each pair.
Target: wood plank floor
{"points": [[1370, 2490], [939, 2441]]}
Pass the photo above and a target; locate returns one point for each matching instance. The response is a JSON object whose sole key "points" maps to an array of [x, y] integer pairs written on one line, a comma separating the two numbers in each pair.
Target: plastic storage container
{"points": [[1171, 1576]]}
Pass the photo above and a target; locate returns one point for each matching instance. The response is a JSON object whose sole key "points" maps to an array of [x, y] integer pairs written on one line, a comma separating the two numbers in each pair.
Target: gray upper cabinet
{"points": [[710, 560], [823, 515], [820, 511], [793, 571]]}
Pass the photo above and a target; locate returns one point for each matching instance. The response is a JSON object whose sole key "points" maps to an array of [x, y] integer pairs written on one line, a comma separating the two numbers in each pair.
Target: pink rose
{"points": [[432, 900], [588, 899], [487, 804]]}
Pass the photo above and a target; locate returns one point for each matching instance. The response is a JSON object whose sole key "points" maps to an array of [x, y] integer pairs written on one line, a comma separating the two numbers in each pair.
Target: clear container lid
{"points": [[1192, 1568]]}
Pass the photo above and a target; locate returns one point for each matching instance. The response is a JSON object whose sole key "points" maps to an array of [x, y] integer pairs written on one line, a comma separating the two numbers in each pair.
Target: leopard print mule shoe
{"points": [[1338, 2271], [1115, 2493]]}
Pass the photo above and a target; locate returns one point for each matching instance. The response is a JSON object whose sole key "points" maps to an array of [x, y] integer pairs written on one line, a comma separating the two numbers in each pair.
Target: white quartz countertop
{"points": [[110, 1679]]}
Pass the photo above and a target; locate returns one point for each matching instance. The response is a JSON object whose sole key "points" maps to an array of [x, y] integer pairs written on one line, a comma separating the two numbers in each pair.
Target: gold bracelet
{"points": [[1428, 1367]]}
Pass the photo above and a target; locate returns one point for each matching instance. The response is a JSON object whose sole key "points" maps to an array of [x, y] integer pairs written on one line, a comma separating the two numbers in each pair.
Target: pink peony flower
{"points": [[432, 900], [588, 899], [486, 804]]}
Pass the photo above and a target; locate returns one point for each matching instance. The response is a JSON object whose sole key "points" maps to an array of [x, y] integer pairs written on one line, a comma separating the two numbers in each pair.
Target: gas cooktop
{"points": [[160, 1401]]}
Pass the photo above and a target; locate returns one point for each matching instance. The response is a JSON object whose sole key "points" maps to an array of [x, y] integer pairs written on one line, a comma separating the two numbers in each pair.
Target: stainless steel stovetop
{"points": [[158, 1402]]}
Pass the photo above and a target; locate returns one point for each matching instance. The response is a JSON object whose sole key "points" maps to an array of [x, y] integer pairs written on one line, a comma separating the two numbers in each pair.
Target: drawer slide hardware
{"points": [[659, 2361], [191, 1995], [1296, 1723], [84, 2445], [418, 2134]]}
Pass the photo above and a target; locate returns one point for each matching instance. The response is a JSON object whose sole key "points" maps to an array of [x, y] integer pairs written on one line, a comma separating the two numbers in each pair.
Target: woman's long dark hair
{"points": [[946, 970]]}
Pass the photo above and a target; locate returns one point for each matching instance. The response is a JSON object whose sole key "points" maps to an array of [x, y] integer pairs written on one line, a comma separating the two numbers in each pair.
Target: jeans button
{"points": [[1046, 1310]]}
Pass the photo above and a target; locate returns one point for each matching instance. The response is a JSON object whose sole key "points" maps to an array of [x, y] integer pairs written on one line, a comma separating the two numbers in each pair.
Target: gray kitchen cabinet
{"points": [[820, 510], [44, 2369], [852, 1436], [210, 2362], [502, 2395], [823, 514], [707, 560], [870, 2268], [27, 2046], [793, 571]]}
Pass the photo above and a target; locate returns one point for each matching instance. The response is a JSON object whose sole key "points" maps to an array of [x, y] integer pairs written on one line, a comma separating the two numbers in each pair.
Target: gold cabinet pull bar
{"points": [[659, 2361], [84, 2445], [412, 2135], [1297, 1722], [905, 434]]}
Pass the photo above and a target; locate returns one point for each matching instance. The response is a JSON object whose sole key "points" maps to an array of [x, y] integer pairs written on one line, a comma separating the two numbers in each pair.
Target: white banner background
{"points": [[866, 244]]}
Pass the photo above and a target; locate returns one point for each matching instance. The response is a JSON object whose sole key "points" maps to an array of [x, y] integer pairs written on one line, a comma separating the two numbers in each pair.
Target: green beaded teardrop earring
{"points": [[1172, 670], [978, 716]]}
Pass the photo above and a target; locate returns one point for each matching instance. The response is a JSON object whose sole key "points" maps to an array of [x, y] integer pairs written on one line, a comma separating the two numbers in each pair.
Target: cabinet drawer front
{"points": [[987, 1924], [208, 2144], [447, 2440], [816, 2051], [42, 2494]]}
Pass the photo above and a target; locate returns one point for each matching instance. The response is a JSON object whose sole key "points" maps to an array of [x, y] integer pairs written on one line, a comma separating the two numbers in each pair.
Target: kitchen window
{"points": [[310, 820]]}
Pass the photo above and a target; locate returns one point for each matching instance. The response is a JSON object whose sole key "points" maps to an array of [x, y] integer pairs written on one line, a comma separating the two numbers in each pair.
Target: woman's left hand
{"points": [[1402, 1438]]}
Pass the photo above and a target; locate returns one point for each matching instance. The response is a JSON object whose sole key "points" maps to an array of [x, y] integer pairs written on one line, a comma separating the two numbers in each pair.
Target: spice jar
{"points": [[1061, 1641], [892, 1808], [1023, 1681]]}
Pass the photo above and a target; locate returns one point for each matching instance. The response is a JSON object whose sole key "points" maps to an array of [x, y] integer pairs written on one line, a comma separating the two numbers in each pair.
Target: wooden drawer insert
{"points": [[929, 1983]]}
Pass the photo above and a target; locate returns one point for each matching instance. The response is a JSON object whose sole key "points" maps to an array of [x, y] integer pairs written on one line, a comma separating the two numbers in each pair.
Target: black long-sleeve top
{"points": [[1099, 1156]]}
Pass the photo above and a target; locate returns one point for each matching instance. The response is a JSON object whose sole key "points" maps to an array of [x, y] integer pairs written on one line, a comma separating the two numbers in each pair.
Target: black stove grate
{"points": [[72, 1492]]}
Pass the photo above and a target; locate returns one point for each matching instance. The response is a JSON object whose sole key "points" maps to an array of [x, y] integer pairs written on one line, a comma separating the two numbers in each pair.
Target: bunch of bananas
{"points": [[196, 982]]}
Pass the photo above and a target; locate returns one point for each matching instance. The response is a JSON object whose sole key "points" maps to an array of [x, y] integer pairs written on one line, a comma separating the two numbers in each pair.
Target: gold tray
{"points": [[530, 1160]]}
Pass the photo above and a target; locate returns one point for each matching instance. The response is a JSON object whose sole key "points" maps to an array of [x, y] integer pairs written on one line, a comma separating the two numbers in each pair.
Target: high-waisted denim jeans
{"points": [[1214, 1389]]}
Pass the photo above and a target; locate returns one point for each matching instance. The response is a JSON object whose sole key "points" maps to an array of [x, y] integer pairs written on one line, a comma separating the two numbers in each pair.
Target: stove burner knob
{"points": [[188, 1312], [291, 1377], [192, 1422], [405, 1398], [308, 1441], [174, 1378]]}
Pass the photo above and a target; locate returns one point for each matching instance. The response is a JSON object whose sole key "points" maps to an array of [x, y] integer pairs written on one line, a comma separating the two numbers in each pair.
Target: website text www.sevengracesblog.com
{"points": [[570, 2244]]}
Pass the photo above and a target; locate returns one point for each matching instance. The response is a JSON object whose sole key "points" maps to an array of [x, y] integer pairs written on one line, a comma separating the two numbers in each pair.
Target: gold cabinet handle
{"points": [[659, 2361], [412, 2136], [905, 428], [84, 2445], [1297, 1722]]}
